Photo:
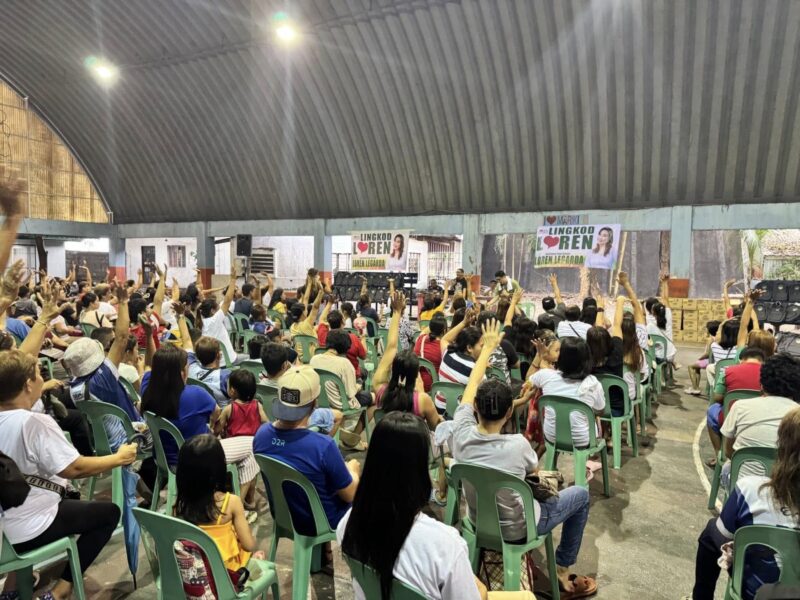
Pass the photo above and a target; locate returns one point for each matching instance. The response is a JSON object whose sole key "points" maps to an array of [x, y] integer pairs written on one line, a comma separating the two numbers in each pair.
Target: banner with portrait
{"points": [[385, 250], [593, 246]]}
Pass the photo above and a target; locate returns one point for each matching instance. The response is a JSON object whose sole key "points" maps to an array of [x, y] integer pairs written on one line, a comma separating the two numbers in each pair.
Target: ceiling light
{"points": [[105, 72], [284, 28], [286, 33]]}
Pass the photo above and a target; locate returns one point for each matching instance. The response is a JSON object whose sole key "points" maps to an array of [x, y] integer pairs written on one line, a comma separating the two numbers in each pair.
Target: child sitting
{"points": [[202, 479], [694, 369], [259, 321], [242, 416]]}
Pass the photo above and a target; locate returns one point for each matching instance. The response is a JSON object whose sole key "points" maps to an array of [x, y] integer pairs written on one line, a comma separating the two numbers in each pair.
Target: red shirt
{"points": [[245, 419], [432, 351], [355, 351], [744, 376]]}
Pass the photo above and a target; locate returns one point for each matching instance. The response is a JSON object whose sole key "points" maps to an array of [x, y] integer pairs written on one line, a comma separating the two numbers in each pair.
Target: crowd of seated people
{"points": [[180, 354]]}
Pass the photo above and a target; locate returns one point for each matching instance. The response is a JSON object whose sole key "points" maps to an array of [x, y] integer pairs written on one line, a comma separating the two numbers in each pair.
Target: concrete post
{"points": [[116, 258], [472, 248], [680, 257], [323, 250], [206, 251]]}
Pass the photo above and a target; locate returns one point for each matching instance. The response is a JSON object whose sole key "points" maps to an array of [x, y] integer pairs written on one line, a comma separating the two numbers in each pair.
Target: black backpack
{"points": [[788, 343], [776, 312], [13, 487]]}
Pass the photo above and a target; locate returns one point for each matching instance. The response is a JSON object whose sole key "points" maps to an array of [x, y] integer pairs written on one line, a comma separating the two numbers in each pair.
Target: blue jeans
{"points": [[572, 509]]}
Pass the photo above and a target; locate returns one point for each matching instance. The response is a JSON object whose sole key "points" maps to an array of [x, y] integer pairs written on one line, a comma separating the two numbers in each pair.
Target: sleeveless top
{"points": [[379, 400], [245, 419], [224, 536]]}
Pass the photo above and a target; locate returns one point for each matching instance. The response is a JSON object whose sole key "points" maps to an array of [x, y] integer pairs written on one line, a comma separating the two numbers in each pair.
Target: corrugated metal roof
{"points": [[410, 107]]}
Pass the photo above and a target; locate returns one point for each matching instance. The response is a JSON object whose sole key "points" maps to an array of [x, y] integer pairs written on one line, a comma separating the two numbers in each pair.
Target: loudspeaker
{"points": [[244, 245]]}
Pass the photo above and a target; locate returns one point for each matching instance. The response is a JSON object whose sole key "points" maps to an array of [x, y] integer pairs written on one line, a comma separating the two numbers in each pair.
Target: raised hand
{"points": [[491, 335], [399, 302], [553, 278], [121, 293], [517, 295], [11, 188], [16, 275], [622, 278], [728, 283], [663, 277], [50, 295], [179, 308], [755, 294]]}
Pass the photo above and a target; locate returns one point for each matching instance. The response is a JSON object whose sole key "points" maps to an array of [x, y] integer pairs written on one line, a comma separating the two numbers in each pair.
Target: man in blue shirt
{"points": [[314, 455], [17, 327]]}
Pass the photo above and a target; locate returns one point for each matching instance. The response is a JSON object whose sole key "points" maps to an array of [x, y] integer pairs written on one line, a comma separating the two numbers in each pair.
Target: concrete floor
{"points": [[640, 543]]}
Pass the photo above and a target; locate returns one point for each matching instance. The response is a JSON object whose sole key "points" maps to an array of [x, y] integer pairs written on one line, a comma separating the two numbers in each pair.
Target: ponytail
{"points": [[399, 395], [660, 313]]}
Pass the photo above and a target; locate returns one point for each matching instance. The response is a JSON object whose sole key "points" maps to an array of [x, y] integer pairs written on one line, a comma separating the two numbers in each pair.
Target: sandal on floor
{"points": [[711, 463], [583, 587]]}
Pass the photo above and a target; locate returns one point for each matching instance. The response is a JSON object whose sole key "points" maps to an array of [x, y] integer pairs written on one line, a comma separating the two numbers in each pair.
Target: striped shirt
{"points": [[456, 367], [719, 353]]}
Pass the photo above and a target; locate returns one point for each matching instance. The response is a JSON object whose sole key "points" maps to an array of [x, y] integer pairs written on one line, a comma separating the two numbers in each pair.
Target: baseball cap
{"points": [[297, 390], [83, 356]]}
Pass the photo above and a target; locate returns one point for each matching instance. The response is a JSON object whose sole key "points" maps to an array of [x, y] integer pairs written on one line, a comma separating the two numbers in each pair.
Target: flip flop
{"points": [[583, 587]]}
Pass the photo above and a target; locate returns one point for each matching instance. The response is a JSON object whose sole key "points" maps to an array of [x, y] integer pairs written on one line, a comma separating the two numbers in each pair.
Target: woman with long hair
{"points": [[192, 410], [203, 500], [755, 500], [90, 314], [397, 259], [603, 255], [276, 301], [387, 530], [660, 327]]}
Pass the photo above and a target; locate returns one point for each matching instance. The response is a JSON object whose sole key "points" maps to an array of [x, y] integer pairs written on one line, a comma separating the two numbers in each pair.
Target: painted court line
{"points": [[698, 462]]}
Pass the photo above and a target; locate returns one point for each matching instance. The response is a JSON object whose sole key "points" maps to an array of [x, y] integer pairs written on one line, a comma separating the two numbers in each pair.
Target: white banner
{"points": [[593, 246], [385, 250]]}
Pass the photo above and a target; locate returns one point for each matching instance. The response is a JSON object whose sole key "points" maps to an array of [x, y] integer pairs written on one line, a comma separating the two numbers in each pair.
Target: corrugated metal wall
{"points": [[409, 107]]}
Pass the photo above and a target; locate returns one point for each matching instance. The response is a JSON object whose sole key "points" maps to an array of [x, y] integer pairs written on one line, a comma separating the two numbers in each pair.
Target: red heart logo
{"points": [[551, 220], [551, 240], [362, 246]]}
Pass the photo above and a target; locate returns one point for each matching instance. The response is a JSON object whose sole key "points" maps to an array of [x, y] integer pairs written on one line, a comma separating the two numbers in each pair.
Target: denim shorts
{"points": [[712, 416]]}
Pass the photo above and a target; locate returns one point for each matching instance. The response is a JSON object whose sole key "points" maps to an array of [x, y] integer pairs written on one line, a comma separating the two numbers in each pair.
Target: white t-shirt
{"points": [[433, 560], [36, 443], [168, 313], [214, 327], [589, 391], [651, 319], [128, 372], [59, 319], [107, 309], [754, 422], [653, 329], [572, 329]]}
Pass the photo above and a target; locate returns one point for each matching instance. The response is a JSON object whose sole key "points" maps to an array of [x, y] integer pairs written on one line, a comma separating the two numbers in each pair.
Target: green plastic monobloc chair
{"points": [[256, 367], [166, 530], [200, 383], [485, 531], [276, 318], [133, 395], [453, 392], [663, 368], [495, 373], [765, 457], [370, 583], [266, 394], [563, 408], [87, 329], [784, 541], [47, 364], [241, 323], [729, 399], [426, 365], [719, 373], [610, 382], [98, 414], [331, 384], [306, 548], [23, 564], [305, 345], [656, 372], [165, 476]]}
